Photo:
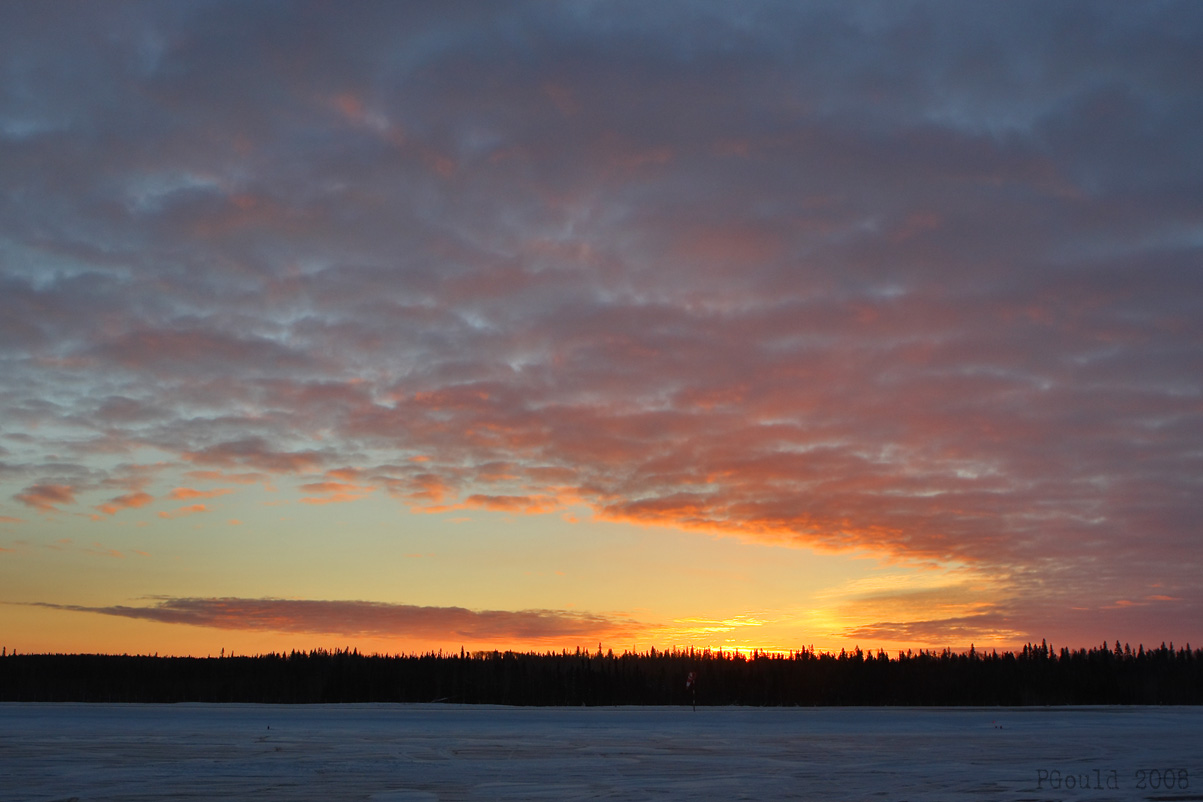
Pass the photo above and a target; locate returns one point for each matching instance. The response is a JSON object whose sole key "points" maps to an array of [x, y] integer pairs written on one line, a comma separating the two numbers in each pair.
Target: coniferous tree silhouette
{"points": [[1036, 675]]}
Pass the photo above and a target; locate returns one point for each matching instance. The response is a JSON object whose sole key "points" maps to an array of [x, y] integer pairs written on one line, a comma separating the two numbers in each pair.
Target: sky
{"points": [[535, 326]]}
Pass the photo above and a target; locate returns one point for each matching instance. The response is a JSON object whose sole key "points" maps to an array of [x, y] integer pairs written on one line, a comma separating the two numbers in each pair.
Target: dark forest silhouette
{"points": [[1036, 675]]}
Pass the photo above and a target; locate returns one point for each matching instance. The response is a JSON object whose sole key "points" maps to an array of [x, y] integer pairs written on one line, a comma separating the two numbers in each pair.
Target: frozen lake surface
{"points": [[390, 753]]}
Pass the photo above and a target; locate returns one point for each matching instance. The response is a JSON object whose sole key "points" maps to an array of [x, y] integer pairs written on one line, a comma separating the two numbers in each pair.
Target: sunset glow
{"points": [[532, 326]]}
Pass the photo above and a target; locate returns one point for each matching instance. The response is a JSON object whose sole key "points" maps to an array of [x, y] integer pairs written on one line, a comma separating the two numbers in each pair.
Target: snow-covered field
{"points": [[448, 752]]}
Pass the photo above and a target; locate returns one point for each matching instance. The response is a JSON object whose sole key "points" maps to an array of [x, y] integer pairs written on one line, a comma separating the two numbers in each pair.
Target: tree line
{"points": [[1035, 675]]}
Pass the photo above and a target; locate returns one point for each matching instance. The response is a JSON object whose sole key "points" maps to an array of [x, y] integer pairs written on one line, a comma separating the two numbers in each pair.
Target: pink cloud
{"points": [[254, 452], [221, 476], [46, 497], [347, 474]]}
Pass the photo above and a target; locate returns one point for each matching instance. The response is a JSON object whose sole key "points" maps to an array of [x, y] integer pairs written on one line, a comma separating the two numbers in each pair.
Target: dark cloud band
{"points": [[368, 619]]}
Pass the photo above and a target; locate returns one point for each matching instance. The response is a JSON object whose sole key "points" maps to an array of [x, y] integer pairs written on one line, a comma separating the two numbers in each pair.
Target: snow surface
{"points": [[404, 753]]}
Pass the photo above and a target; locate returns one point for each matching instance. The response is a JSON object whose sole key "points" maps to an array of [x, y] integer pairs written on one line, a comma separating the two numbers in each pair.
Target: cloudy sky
{"points": [[408, 326]]}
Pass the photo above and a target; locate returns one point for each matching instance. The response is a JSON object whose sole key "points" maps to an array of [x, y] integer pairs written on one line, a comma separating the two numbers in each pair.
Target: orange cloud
{"points": [[961, 632], [423, 489], [334, 492], [527, 505], [347, 474], [186, 493], [127, 501], [184, 511]]}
